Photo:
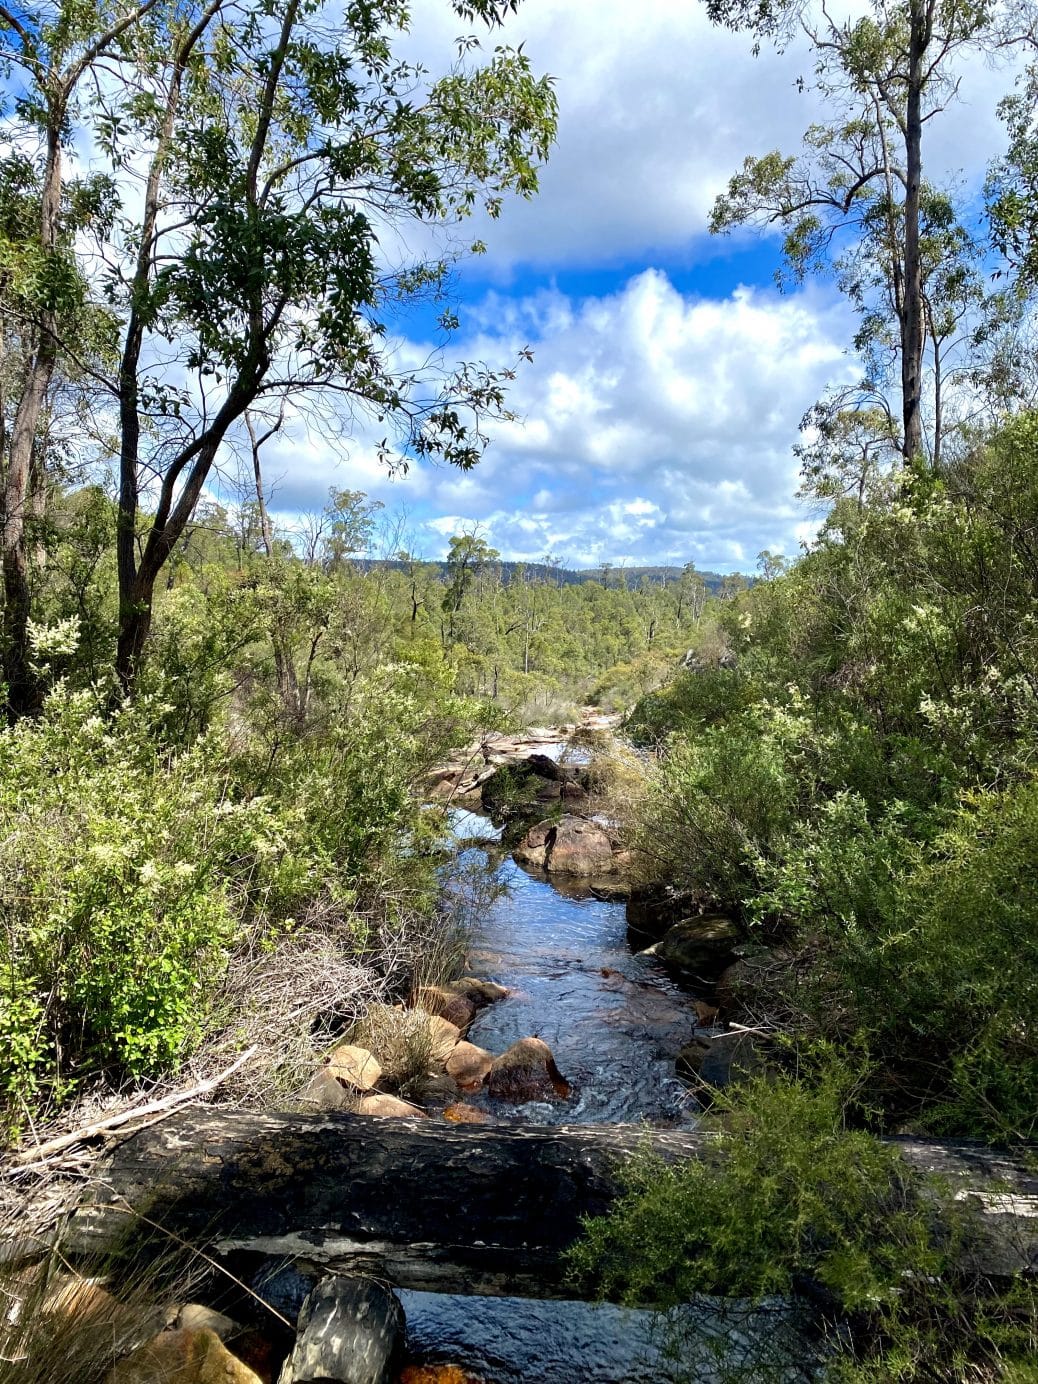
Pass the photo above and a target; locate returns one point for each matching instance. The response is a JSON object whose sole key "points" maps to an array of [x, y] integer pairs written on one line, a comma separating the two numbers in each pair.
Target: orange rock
{"points": [[458, 1009], [183, 1357], [469, 1065], [479, 992], [389, 1107], [460, 1113], [354, 1065], [444, 1038]]}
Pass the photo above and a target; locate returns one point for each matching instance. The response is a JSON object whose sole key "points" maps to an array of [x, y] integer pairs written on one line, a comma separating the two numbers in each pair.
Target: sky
{"points": [[657, 418]]}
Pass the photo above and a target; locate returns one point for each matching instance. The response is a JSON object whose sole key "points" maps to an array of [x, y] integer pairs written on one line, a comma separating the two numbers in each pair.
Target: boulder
{"points": [[533, 848], [571, 846], [446, 1003], [443, 1039], [324, 1092], [547, 768], [350, 1331], [723, 1060], [438, 1088], [182, 1357], [527, 1071], [95, 1314], [389, 1108], [469, 1066], [653, 908], [477, 992], [579, 848], [355, 1066], [194, 1316], [702, 946]]}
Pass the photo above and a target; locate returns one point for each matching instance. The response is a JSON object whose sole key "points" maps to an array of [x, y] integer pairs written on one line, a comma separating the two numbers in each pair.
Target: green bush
{"points": [[925, 931], [792, 1202], [130, 872], [720, 800]]}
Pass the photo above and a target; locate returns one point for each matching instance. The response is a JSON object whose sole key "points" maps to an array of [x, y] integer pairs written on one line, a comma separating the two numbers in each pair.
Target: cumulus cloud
{"points": [[655, 426], [658, 109]]}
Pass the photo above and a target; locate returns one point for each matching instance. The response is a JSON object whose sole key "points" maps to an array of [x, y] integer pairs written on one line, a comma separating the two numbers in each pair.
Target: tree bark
{"points": [[913, 324], [22, 691], [445, 1208]]}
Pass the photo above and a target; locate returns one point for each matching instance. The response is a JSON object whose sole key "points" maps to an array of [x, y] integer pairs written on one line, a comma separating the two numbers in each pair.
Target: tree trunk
{"points": [[913, 321], [23, 694], [284, 668], [446, 1208]]}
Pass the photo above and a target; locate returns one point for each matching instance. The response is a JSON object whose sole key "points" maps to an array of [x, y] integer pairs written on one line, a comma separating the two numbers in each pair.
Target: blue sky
{"points": [[669, 374]]}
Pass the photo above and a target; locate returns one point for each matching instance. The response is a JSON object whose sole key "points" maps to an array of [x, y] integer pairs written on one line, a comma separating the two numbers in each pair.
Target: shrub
{"points": [[926, 948], [793, 1202], [719, 801]]}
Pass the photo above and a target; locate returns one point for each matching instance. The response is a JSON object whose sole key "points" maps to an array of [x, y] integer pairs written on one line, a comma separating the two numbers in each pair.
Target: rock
{"points": [[703, 946], [547, 768], [571, 846], [652, 909], [351, 1331], [706, 1013], [437, 1087], [443, 1039], [445, 1003], [324, 1092], [469, 1066], [193, 1316], [527, 1071], [183, 1357], [533, 848], [94, 1310], [477, 992], [354, 1065], [723, 1060], [389, 1107], [579, 847], [461, 1113]]}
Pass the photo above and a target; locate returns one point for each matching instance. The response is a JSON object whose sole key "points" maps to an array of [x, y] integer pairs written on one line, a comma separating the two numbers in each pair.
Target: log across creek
{"points": [[445, 1208]]}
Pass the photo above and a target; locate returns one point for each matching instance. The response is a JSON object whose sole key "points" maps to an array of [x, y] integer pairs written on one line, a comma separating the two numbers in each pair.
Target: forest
{"points": [[221, 848]]}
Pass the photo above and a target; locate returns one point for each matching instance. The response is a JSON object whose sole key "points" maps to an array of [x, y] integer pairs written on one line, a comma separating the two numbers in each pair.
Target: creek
{"points": [[615, 1022]]}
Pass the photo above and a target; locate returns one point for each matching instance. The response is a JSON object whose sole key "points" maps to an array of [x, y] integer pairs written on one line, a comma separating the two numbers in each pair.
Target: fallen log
{"points": [[440, 1207]]}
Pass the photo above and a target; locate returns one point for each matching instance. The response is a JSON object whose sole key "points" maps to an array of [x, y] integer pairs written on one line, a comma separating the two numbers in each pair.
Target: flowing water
{"points": [[614, 1020]]}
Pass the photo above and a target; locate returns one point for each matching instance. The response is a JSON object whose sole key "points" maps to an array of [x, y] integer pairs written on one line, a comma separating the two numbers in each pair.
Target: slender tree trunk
{"points": [[284, 668], [913, 322], [23, 694]]}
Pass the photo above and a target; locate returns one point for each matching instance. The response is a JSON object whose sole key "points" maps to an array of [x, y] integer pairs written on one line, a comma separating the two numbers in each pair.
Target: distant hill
{"points": [[575, 576]]}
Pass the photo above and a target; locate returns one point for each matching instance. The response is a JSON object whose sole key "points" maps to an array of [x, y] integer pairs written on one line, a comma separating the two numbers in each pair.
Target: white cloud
{"points": [[658, 109], [657, 427]]}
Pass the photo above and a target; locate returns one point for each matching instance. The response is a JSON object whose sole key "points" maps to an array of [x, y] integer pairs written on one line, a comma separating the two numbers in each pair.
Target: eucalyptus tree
{"points": [[885, 75], [260, 152]]}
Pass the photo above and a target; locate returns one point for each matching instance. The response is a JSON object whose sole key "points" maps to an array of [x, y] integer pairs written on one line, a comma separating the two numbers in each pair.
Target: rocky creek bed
{"points": [[588, 1028]]}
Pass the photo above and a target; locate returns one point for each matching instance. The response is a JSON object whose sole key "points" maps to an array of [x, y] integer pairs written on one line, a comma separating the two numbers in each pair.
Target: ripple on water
{"points": [[614, 1021], [519, 1341]]}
